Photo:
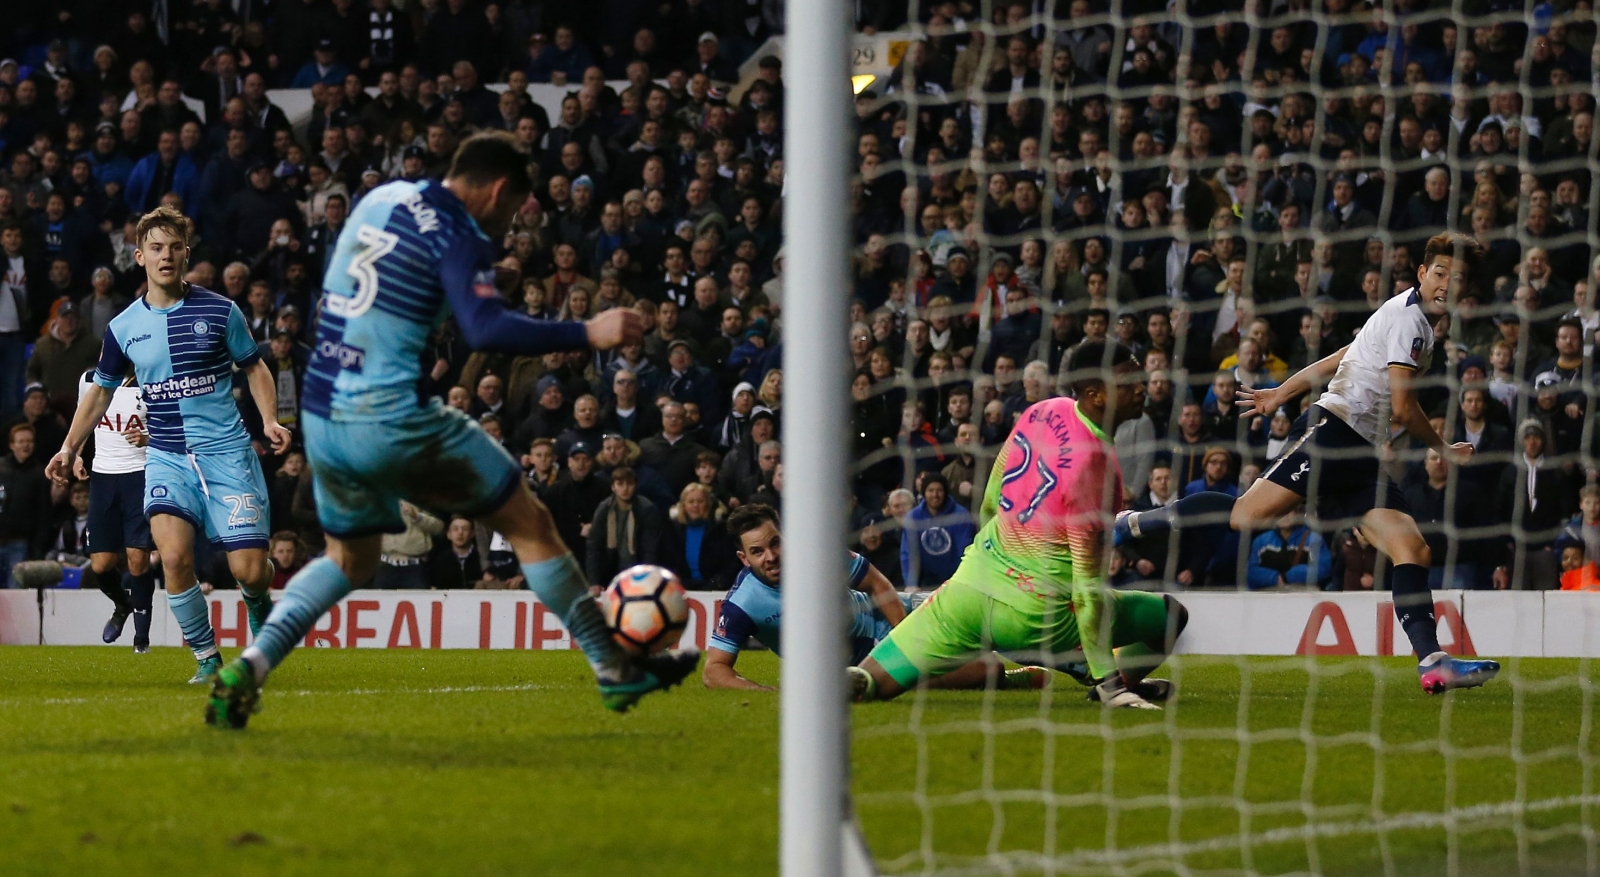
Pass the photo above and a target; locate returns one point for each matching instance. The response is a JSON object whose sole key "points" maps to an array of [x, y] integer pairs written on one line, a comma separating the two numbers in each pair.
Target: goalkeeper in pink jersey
{"points": [[1032, 585]]}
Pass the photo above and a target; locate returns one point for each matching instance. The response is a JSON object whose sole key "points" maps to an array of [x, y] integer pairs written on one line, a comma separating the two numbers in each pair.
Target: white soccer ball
{"points": [[646, 608]]}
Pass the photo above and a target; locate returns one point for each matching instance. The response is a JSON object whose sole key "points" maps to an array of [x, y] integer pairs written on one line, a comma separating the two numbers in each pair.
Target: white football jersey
{"points": [[113, 455], [1398, 333]]}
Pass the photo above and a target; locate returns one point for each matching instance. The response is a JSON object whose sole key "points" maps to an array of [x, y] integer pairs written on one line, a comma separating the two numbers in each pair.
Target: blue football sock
{"points": [[142, 589], [310, 593], [561, 585], [1413, 606], [194, 620], [1194, 510]]}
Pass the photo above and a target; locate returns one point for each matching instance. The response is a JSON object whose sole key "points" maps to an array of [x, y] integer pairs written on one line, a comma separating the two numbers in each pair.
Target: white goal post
{"points": [[818, 126]]}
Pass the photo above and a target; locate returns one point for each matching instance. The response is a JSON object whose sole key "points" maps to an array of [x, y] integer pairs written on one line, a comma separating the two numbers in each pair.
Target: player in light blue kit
{"points": [[409, 253], [753, 609], [202, 478]]}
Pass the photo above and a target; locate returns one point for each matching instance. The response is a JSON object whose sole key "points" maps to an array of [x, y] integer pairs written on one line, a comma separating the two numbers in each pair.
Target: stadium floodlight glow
{"points": [[818, 127]]}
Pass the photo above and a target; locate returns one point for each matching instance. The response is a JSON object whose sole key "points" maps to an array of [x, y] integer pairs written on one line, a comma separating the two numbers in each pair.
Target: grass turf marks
{"points": [[405, 762]]}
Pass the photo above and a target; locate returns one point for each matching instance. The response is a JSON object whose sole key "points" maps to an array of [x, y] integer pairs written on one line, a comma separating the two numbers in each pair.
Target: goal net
{"points": [[1231, 189]]}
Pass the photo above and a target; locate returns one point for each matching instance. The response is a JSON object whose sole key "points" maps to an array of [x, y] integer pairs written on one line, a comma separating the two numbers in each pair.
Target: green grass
{"points": [[503, 763]]}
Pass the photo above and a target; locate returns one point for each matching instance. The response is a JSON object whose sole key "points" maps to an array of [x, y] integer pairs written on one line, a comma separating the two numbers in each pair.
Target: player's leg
{"points": [[174, 538], [252, 569], [452, 466], [1195, 510], [553, 573], [942, 636], [104, 547], [1281, 489], [176, 505], [238, 513], [346, 564], [990, 671], [137, 543], [1263, 504], [1144, 632], [141, 584], [236, 688], [1395, 534], [103, 575]]}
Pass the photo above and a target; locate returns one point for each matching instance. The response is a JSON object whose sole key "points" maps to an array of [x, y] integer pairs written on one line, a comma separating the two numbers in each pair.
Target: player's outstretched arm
{"points": [[264, 390], [490, 325], [1408, 413], [1089, 599], [883, 594], [91, 407], [1266, 402], [719, 673]]}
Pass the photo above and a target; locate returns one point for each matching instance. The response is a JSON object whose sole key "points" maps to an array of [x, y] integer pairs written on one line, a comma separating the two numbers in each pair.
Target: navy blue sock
{"points": [[108, 583], [1209, 503], [1413, 606], [142, 589]]}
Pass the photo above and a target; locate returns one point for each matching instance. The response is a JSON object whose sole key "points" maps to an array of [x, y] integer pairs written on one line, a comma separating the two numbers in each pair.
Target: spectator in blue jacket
{"points": [[165, 170], [937, 532], [751, 360], [1293, 554], [109, 164], [324, 67], [560, 61]]}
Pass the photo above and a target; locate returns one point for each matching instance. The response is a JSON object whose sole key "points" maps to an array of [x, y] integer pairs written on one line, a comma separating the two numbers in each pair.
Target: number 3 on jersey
{"points": [[1047, 481], [375, 244]]}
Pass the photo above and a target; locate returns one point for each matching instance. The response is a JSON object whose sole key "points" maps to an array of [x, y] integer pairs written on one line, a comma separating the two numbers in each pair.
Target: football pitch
{"points": [[467, 762]]}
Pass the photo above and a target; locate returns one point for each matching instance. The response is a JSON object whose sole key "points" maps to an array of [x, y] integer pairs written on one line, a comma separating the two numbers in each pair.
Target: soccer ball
{"points": [[646, 608]]}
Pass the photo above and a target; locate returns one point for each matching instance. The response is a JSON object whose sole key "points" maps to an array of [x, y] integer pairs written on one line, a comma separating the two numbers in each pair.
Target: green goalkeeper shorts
{"points": [[960, 622]]}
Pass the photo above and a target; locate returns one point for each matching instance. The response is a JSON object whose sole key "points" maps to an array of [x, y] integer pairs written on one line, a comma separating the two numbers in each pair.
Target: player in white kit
{"points": [[1370, 402], [117, 526]]}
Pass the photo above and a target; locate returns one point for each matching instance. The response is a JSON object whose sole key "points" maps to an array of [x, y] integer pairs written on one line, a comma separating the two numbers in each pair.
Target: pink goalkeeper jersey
{"points": [[1055, 489]]}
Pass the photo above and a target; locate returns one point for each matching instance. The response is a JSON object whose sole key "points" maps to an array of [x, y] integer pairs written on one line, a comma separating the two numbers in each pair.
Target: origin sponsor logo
{"points": [[349, 358]]}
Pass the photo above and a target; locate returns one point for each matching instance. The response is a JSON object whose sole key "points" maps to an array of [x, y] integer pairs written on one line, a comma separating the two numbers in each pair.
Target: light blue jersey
{"points": [[410, 254], [183, 357], [408, 250], [199, 465], [755, 609]]}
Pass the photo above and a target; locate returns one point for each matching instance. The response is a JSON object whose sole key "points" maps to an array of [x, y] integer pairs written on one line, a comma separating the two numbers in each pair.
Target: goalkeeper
{"points": [[1032, 585]]}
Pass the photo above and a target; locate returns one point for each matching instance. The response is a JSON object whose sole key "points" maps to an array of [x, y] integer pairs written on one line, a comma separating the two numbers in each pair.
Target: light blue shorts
{"points": [[223, 495], [432, 456]]}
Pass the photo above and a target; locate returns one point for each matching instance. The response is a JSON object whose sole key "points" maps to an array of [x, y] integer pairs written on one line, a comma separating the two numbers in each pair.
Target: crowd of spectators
{"points": [[1230, 199]]}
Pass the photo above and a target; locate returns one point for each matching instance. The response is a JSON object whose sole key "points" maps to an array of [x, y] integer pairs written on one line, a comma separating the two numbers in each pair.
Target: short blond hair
{"points": [[167, 218]]}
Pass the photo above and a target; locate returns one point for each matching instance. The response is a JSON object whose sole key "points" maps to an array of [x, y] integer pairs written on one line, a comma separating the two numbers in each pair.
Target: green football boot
{"points": [[257, 608], [207, 666], [235, 696], [657, 673]]}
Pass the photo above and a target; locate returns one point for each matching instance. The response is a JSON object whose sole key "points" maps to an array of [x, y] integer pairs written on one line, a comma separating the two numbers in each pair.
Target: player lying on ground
{"points": [[408, 250], [1033, 582], [1336, 455], [754, 608], [202, 478], [118, 528]]}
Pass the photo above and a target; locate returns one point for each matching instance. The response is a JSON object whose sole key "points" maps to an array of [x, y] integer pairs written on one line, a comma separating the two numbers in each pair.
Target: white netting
{"points": [[1379, 127]]}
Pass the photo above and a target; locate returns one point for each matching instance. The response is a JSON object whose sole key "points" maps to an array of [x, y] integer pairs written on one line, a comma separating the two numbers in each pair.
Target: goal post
{"points": [[818, 127]]}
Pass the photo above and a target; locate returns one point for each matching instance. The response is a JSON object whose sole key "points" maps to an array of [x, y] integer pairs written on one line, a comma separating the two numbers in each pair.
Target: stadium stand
{"points": [[1230, 202]]}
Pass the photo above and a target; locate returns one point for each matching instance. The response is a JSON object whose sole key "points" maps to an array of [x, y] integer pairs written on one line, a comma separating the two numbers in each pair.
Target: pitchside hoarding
{"points": [[1491, 623]]}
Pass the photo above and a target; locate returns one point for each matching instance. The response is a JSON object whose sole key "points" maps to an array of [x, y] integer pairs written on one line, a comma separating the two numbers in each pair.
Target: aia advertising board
{"points": [[1490, 623]]}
